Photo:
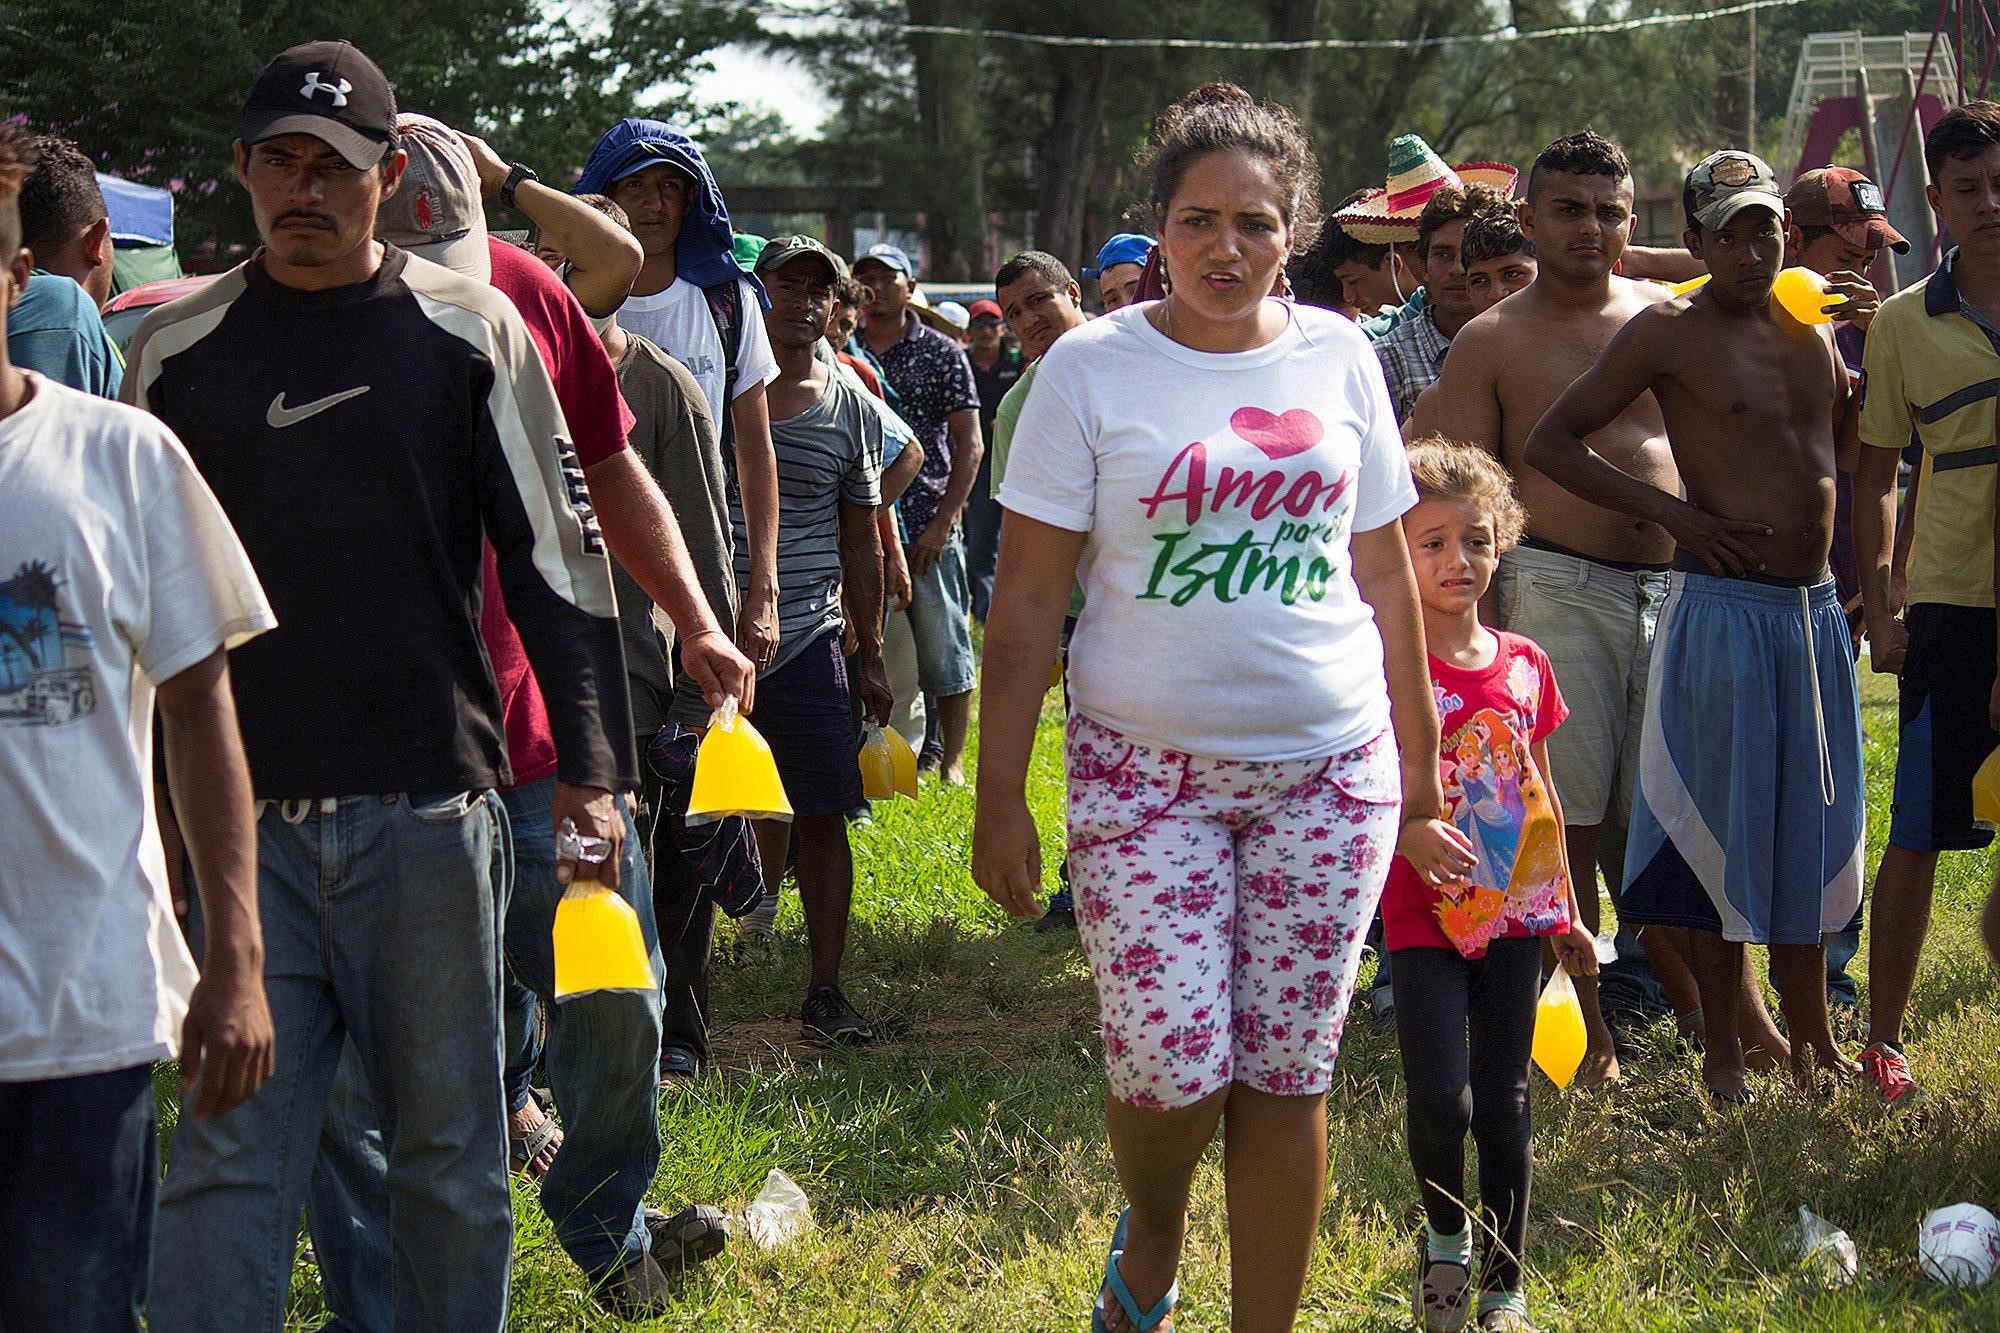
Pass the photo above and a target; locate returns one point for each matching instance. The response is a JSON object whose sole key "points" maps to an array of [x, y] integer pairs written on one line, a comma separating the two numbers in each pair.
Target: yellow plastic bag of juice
{"points": [[1802, 292], [1559, 1035], [734, 773], [1986, 791], [888, 765], [597, 944]]}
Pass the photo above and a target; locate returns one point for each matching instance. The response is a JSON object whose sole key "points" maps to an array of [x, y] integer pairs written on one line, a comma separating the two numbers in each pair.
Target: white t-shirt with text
{"points": [[1218, 492], [118, 571], [679, 322]]}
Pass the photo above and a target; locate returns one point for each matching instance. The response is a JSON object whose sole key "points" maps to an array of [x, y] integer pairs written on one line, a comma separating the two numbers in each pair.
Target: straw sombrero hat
{"points": [[1416, 172]]}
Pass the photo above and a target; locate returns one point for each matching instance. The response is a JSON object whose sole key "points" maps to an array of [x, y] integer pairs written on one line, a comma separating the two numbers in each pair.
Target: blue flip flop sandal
{"points": [[1114, 1282]]}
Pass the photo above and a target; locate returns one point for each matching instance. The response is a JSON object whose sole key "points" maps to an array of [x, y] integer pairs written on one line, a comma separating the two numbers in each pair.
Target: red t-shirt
{"points": [[864, 370], [1494, 794], [587, 390]]}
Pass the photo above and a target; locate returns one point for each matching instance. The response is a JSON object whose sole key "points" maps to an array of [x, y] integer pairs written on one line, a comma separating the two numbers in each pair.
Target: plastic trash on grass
{"points": [[1959, 1245], [598, 945], [1559, 1034], [779, 1214], [1822, 1249], [734, 773]]}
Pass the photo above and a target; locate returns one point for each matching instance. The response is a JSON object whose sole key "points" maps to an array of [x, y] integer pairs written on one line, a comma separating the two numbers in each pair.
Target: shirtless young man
{"points": [[1748, 824], [1585, 583], [1499, 260]]}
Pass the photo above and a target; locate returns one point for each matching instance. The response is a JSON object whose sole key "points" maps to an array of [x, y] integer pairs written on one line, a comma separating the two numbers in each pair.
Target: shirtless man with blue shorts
{"points": [[1748, 822]]}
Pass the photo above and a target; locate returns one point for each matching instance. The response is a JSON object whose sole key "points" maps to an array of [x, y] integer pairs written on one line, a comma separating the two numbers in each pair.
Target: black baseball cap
{"points": [[330, 90], [782, 250]]}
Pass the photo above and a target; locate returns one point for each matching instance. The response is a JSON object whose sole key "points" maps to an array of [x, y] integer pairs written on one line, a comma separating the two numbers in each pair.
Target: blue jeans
{"points": [[1841, 946], [939, 604], [77, 1205], [381, 924], [982, 539], [603, 1065]]}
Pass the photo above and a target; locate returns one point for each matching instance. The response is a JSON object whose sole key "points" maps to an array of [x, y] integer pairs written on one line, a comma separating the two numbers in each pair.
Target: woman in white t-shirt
{"points": [[1223, 474]]}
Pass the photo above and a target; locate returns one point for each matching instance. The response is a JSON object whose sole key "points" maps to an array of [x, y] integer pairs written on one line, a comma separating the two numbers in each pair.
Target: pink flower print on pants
{"points": [[1222, 905]]}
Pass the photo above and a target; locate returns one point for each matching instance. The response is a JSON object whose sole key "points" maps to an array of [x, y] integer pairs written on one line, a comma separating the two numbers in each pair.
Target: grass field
{"points": [[959, 1176]]}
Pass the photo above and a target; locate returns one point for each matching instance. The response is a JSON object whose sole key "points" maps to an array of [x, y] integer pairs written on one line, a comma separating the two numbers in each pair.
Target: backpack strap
{"points": [[725, 307]]}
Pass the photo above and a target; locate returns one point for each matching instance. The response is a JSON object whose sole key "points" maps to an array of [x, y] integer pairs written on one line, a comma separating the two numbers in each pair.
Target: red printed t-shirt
{"points": [[1490, 720], [587, 389]]}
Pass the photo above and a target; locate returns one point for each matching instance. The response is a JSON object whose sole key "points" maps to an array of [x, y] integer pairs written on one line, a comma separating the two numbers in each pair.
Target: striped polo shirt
{"points": [[1932, 366]]}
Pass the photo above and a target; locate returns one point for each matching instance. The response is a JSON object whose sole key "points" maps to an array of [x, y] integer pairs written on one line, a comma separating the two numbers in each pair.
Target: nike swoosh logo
{"points": [[281, 416]]}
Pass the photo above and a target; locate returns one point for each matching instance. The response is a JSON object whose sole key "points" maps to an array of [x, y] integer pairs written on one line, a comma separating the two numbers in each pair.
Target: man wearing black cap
{"points": [[829, 448], [368, 421]]}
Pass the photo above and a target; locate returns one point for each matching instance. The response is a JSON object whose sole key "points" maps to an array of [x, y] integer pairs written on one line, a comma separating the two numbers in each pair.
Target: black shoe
{"points": [[1060, 915], [678, 1064], [830, 1018], [693, 1235], [636, 1291]]}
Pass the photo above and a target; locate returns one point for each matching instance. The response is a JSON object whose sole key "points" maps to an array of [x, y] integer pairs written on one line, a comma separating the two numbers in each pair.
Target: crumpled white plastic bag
{"points": [[779, 1213], [1822, 1249]]}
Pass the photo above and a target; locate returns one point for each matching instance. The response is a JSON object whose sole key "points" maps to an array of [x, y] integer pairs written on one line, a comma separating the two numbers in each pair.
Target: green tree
{"points": [[154, 93]]}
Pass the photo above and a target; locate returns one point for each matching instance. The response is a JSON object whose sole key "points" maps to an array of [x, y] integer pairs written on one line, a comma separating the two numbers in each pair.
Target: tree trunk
{"points": [[954, 191], [1288, 75], [1069, 152]]}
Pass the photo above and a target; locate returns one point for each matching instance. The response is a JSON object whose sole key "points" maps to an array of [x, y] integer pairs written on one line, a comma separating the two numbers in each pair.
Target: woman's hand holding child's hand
{"points": [[1438, 851]]}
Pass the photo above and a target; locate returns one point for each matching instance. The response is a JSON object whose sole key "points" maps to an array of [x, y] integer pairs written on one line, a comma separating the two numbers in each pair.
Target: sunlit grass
{"points": [[958, 1172]]}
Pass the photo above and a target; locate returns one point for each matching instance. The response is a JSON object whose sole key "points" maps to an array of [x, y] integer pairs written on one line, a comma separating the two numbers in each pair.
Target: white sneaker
{"points": [[762, 923]]}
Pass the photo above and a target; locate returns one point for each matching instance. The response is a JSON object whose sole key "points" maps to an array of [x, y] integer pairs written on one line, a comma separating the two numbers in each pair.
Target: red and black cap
{"points": [[330, 90], [1847, 201]]}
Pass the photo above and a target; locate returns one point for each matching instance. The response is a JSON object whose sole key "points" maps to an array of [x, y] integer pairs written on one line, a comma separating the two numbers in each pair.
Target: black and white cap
{"points": [[330, 90]]}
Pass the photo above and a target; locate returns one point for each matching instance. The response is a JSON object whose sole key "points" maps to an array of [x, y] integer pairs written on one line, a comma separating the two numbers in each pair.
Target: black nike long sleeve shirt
{"points": [[363, 440]]}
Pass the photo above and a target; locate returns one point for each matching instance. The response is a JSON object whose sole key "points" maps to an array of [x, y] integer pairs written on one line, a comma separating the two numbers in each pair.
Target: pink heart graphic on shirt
{"points": [[1277, 436]]}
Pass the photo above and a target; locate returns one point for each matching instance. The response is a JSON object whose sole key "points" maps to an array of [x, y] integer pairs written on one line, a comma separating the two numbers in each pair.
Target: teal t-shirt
{"points": [[1377, 326], [54, 329]]}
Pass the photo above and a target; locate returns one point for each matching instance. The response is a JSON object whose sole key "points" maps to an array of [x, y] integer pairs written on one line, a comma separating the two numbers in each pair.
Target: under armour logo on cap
{"points": [[337, 91], [358, 117]]}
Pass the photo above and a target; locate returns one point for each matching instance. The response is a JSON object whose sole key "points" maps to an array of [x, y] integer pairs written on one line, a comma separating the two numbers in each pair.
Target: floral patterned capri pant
{"points": [[1222, 905]]}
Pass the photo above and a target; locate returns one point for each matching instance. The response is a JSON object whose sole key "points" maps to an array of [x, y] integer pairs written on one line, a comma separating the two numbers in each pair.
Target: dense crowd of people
{"points": [[1405, 570]]}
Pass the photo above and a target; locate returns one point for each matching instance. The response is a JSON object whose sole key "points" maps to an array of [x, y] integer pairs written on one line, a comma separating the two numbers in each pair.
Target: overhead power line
{"points": [[793, 13]]}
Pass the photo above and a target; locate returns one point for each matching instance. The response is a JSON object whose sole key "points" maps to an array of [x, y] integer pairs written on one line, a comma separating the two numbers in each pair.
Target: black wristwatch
{"points": [[519, 172]]}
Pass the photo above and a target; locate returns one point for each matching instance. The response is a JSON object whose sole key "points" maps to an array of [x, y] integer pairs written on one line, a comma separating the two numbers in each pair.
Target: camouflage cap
{"points": [[1724, 184]]}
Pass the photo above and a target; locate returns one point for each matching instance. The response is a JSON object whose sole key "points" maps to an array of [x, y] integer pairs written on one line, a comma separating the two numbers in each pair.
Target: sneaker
{"points": [[831, 1019], [636, 1291], [1891, 1072], [1443, 1296], [1505, 1320], [1060, 914], [1382, 1021], [693, 1235], [761, 923]]}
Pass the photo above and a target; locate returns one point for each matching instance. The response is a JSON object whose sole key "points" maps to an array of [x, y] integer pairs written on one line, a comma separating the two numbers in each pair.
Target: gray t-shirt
{"points": [[829, 453], [675, 438]]}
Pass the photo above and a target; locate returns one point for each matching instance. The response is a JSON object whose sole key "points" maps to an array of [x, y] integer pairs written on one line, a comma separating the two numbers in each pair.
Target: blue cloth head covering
{"points": [[1125, 248], [704, 254]]}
